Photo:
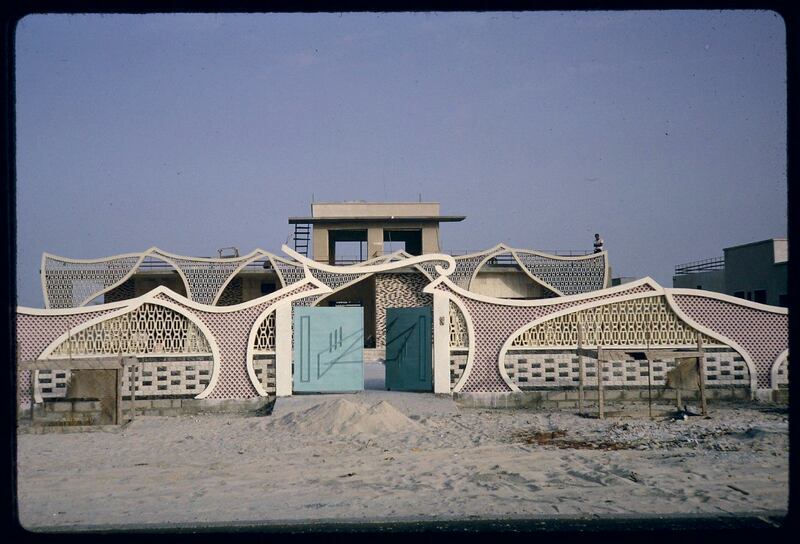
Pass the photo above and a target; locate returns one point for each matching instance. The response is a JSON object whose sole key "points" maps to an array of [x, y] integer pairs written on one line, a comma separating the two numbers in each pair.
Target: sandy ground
{"points": [[359, 457]]}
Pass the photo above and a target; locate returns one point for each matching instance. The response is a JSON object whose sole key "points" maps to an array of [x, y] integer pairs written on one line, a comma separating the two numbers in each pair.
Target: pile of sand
{"points": [[342, 416]]}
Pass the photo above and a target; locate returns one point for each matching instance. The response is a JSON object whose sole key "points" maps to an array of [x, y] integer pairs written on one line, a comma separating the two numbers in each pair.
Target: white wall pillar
{"points": [[283, 349], [441, 344]]}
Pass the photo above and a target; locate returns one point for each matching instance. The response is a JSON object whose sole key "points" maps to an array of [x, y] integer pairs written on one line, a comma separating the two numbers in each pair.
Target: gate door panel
{"points": [[328, 351], [408, 349]]}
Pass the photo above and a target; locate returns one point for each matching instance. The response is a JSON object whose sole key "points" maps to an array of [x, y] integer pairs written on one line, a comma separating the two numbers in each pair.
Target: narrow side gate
{"points": [[328, 350], [408, 349]]}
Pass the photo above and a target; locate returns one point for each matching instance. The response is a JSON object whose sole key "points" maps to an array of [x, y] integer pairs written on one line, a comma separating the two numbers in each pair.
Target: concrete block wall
{"points": [[614, 398]]}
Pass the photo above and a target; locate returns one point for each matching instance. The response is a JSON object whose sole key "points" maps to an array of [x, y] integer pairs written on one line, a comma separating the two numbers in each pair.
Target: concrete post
{"points": [[283, 349], [374, 242], [441, 344]]}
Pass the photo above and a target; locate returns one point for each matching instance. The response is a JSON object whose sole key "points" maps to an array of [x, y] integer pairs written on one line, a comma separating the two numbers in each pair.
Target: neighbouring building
{"points": [[757, 271]]}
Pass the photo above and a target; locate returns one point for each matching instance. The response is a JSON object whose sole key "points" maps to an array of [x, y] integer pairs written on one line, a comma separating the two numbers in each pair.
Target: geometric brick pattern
{"points": [[530, 369], [35, 332], [148, 329], [264, 342], [232, 294], [570, 276], [782, 375], [231, 331], [169, 377], [70, 284], [458, 362], [459, 334], [403, 290], [123, 291], [205, 278], [264, 368], [624, 323], [494, 323], [763, 335], [289, 273]]}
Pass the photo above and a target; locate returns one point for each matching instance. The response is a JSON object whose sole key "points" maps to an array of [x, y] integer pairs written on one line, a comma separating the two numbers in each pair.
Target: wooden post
{"points": [[134, 368], [701, 374], [580, 368], [118, 410], [33, 392], [649, 376], [600, 397]]}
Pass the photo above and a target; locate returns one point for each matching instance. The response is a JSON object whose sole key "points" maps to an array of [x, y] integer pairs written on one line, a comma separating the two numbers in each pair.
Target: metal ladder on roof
{"points": [[302, 238]]}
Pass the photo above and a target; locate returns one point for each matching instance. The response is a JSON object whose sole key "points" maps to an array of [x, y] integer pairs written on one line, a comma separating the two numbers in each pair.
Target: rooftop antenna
{"points": [[420, 196]]}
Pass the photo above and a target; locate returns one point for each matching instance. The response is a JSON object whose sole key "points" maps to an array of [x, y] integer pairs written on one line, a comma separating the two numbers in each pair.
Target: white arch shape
{"points": [[748, 359], [500, 249], [773, 372], [591, 256], [171, 259], [251, 372], [364, 269], [175, 303], [470, 343], [57, 258], [133, 304], [655, 289]]}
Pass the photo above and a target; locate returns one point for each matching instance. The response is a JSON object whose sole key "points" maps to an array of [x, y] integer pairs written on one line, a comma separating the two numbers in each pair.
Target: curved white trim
{"points": [[534, 277], [43, 274], [496, 247], [656, 288], [248, 259], [470, 343], [350, 269], [751, 367], [149, 298], [251, 372], [773, 372], [727, 298], [156, 253], [74, 311], [572, 309], [482, 263], [601, 254]]}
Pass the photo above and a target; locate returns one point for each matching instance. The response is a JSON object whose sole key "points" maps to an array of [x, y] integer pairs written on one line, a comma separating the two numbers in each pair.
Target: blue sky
{"points": [[663, 131]]}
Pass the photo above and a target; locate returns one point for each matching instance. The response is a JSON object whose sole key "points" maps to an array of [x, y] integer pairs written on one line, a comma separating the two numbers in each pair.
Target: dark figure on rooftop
{"points": [[598, 243]]}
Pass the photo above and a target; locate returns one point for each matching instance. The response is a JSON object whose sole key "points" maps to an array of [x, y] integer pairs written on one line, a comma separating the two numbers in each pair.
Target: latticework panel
{"points": [[265, 335], [36, 332], [494, 323], [232, 294], [231, 331], [458, 362], [762, 334], [459, 334], [264, 367], [430, 267], [150, 328], [334, 280], [782, 375], [124, 291], [205, 278], [169, 377], [627, 323], [69, 284], [290, 273], [546, 369], [570, 276], [397, 291]]}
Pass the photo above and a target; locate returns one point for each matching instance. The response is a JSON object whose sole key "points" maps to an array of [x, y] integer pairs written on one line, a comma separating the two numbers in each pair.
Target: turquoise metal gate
{"points": [[408, 349], [328, 350]]}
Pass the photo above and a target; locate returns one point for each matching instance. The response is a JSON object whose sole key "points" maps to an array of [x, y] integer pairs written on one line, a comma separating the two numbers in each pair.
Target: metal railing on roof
{"points": [[155, 264], [558, 252], [704, 265]]}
